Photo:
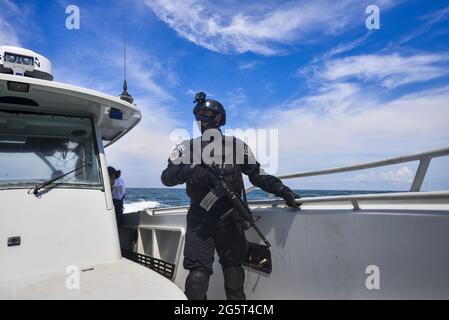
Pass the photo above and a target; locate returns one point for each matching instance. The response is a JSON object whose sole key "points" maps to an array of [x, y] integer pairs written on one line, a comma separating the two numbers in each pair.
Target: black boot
{"points": [[234, 279], [197, 283]]}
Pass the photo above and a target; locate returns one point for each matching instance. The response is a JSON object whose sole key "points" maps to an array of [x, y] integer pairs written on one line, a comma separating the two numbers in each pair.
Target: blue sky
{"points": [[336, 92]]}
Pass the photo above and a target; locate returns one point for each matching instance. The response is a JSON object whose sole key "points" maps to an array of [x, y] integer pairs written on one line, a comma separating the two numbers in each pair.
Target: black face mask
{"points": [[207, 122]]}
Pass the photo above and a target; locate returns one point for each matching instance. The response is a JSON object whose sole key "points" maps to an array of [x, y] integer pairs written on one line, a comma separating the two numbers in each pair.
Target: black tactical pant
{"points": [[206, 232]]}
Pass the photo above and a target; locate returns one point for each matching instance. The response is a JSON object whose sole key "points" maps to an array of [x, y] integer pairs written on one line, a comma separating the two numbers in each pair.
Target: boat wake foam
{"points": [[140, 206]]}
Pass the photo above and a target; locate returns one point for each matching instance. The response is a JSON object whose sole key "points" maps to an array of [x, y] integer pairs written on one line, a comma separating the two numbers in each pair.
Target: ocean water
{"points": [[145, 198]]}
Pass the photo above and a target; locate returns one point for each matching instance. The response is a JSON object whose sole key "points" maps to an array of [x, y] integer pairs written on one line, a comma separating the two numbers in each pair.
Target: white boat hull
{"points": [[327, 251]]}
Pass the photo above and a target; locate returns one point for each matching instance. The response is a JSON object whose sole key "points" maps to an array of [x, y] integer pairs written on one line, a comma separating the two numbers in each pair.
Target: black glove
{"points": [[199, 176], [289, 196]]}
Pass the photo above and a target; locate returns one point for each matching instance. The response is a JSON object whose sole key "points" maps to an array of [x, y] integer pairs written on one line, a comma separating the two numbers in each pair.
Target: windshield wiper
{"points": [[46, 183]]}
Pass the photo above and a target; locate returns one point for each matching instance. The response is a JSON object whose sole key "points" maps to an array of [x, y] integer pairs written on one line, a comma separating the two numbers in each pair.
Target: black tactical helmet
{"points": [[209, 104]]}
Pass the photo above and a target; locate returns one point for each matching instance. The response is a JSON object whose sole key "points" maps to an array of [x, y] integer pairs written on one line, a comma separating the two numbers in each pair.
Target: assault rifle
{"points": [[220, 188]]}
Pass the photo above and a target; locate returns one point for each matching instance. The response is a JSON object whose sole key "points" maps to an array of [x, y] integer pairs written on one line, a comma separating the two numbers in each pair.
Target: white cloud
{"points": [[402, 175], [9, 6], [248, 65], [346, 118], [436, 16], [345, 47], [330, 98], [253, 26], [146, 74], [235, 98], [391, 70], [8, 34], [355, 128], [142, 154], [429, 20]]}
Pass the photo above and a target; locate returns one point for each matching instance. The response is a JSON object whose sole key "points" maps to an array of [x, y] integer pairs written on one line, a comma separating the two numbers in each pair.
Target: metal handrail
{"points": [[424, 161], [353, 199], [428, 195]]}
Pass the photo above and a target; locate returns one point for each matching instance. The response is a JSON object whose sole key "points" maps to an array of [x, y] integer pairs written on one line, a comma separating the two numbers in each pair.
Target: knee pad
{"points": [[234, 279], [197, 283]]}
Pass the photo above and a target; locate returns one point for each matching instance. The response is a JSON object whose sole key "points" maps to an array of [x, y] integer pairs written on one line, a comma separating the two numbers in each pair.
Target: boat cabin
{"points": [[57, 219]]}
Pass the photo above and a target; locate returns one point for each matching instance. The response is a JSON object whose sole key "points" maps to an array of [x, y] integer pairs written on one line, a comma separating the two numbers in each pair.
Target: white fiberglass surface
{"points": [[35, 148]]}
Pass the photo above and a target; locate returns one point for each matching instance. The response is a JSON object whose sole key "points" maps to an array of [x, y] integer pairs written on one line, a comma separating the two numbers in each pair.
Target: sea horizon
{"points": [[139, 199]]}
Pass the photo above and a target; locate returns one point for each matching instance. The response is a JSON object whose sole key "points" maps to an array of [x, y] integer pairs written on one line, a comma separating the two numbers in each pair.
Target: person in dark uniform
{"points": [[206, 232]]}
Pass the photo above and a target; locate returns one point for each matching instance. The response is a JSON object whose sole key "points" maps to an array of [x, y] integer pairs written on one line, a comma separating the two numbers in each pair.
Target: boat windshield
{"points": [[36, 147]]}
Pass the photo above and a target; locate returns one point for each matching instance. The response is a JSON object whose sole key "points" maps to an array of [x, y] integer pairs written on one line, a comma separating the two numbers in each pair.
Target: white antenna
{"points": [[125, 95]]}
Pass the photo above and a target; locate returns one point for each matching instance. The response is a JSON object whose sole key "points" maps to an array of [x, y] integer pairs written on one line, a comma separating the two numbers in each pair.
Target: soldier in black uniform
{"points": [[206, 232]]}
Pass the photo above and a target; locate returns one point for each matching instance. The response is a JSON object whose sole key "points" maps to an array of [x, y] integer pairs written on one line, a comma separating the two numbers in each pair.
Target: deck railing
{"points": [[424, 159], [436, 197], [357, 198]]}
